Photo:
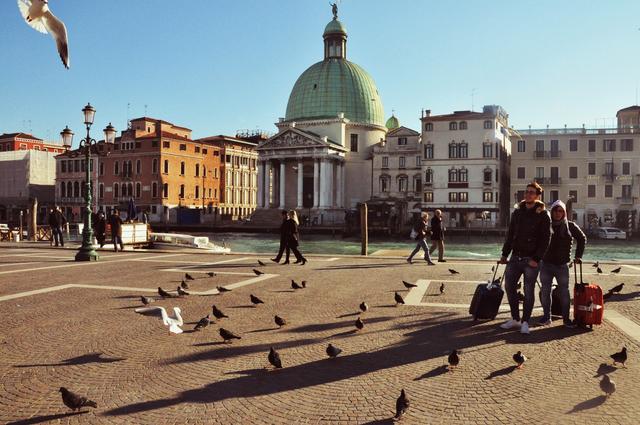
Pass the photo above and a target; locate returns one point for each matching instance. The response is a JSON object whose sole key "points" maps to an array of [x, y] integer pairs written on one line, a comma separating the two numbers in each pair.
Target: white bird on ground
{"points": [[38, 16], [174, 322]]}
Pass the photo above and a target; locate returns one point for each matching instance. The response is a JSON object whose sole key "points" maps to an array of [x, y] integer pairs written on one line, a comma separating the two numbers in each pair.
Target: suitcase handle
{"points": [[495, 271], [575, 276]]}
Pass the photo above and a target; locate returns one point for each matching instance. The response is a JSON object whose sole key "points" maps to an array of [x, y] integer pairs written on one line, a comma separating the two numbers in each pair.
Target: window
{"points": [[354, 143], [227, 159], [384, 184], [418, 161], [83, 166], [488, 125], [138, 167], [402, 141], [592, 145], [154, 143], [453, 197], [521, 173], [487, 197], [626, 145], [453, 175], [63, 166], [487, 150], [608, 145], [428, 151], [539, 148], [591, 191], [216, 153], [166, 144], [453, 126], [204, 171], [63, 190], [401, 162], [608, 191], [573, 172], [626, 191], [197, 149], [76, 166], [453, 150], [165, 190], [417, 183], [182, 167], [116, 189], [554, 146], [463, 197], [402, 184], [487, 174], [428, 126], [69, 189], [573, 194], [608, 168], [197, 170], [573, 145], [116, 168], [197, 192], [554, 196], [101, 190], [102, 169], [539, 172], [154, 190], [463, 150], [428, 176], [385, 162], [463, 175], [591, 168], [138, 190], [181, 195], [463, 125], [166, 166], [626, 168], [428, 197], [154, 166], [183, 146]]}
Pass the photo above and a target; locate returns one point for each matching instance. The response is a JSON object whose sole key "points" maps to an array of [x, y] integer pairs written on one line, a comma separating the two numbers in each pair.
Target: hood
{"points": [[539, 206], [560, 204]]}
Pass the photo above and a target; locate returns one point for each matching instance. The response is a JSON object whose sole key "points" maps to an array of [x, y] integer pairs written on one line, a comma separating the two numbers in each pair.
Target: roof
{"points": [[402, 129], [164, 134], [19, 135], [335, 27], [629, 109], [392, 122], [160, 121], [221, 138], [459, 115]]}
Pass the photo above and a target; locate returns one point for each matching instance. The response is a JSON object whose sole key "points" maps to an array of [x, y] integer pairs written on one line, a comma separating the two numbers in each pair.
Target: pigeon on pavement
{"points": [[217, 313], [222, 289], [211, 274], [402, 404], [409, 285], [519, 358], [452, 271], [184, 285], [304, 284], [363, 306], [599, 270], [74, 401], [257, 272], [202, 323], [164, 294], [274, 358], [279, 321], [453, 359], [146, 300], [188, 276], [442, 289], [261, 263], [295, 284], [616, 289], [182, 292], [620, 357], [228, 335], [398, 299], [174, 322], [596, 264], [616, 270], [607, 385], [38, 16], [359, 324], [332, 351], [255, 300]]}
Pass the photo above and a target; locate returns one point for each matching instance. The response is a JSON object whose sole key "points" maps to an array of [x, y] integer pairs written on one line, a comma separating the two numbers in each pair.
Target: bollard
{"points": [[364, 231]]}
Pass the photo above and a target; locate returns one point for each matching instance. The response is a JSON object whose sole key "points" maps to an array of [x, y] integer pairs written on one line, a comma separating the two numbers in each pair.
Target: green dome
{"points": [[335, 27], [332, 86], [392, 123]]}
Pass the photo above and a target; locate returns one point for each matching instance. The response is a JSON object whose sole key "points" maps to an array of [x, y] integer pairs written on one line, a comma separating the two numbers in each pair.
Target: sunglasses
{"points": [[531, 192]]}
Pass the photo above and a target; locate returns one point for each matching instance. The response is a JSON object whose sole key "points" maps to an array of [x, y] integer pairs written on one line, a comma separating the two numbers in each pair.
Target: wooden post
{"points": [[364, 231], [33, 220]]}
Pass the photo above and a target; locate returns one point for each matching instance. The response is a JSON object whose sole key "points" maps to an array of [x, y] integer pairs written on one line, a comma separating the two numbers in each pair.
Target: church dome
{"points": [[392, 123], [335, 27]]}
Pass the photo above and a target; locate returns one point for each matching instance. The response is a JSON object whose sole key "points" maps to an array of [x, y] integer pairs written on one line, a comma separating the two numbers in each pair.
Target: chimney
{"points": [[428, 112]]}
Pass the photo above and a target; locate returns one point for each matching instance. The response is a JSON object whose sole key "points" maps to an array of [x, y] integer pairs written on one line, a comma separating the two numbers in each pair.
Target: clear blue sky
{"points": [[219, 66]]}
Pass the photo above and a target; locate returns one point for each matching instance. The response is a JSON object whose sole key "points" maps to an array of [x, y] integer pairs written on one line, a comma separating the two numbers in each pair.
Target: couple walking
{"points": [[289, 238], [437, 237]]}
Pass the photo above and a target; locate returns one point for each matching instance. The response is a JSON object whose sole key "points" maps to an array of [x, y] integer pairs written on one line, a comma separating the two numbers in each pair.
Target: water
{"points": [[455, 246]]}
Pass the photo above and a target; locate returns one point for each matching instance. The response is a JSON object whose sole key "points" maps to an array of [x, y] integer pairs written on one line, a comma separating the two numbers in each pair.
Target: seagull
{"points": [[359, 324], [607, 385], [174, 322], [616, 270], [211, 274], [620, 357], [184, 285], [188, 276], [164, 294], [453, 359], [218, 314], [402, 404], [74, 401], [616, 289], [38, 16], [146, 300], [363, 306], [332, 351], [398, 299], [228, 335], [279, 321], [255, 300], [203, 323], [295, 285], [409, 285], [274, 358], [452, 271], [519, 358], [222, 289], [257, 272], [261, 263], [182, 292], [442, 288]]}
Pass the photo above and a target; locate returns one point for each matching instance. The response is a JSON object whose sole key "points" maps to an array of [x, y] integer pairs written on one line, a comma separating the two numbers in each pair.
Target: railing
{"points": [[626, 199], [546, 154], [550, 131], [610, 177], [548, 180]]}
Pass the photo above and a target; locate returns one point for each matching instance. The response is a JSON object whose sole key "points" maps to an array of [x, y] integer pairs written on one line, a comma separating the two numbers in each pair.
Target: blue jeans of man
{"points": [[56, 233], [516, 267], [422, 244], [561, 272]]}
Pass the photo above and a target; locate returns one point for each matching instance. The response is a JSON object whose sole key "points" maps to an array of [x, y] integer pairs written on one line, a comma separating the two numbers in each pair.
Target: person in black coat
{"points": [[116, 229], [437, 236], [292, 236], [421, 231], [283, 240], [100, 228], [56, 221]]}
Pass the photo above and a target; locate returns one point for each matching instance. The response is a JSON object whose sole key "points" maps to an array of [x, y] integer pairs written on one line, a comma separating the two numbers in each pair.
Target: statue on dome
{"points": [[334, 10]]}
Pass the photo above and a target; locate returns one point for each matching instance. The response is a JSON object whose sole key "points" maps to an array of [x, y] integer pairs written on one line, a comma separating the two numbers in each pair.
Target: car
{"points": [[611, 233]]}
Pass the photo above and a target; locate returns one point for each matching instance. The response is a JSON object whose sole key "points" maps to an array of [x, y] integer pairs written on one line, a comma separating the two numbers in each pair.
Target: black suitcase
{"points": [[487, 299], [556, 301]]}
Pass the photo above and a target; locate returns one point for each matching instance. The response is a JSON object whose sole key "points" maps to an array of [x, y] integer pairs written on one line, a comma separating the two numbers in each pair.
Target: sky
{"points": [[222, 66]]}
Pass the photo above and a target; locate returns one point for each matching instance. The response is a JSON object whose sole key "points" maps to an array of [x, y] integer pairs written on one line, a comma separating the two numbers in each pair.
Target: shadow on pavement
{"points": [[46, 418], [589, 404], [502, 372], [440, 370], [80, 360], [604, 369]]}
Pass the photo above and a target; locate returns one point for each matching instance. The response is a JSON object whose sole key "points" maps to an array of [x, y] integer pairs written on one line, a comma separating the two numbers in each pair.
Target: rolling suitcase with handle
{"points": [[588, 304], [487, 299]]}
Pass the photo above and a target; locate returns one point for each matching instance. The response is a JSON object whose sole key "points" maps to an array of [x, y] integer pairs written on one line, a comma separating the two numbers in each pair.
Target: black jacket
{"points": [[291, 232], [56, 219], [529, 232], [283, 230], [436, 229], [421, 229], [559, 251], [116, 223]]}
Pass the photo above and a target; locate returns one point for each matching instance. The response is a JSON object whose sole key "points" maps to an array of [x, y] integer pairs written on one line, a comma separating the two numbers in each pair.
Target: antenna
{"points": [[473, 93], [145, 110], [30, 128], [128, 111]]}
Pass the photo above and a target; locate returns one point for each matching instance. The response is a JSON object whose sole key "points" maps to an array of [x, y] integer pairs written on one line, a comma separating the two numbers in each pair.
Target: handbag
{"points": [[413, 234]]}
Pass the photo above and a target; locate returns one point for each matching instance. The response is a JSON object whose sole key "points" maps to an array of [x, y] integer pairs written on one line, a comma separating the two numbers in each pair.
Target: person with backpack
{"points": [[421, 232], [527, 241], [555, 263]]}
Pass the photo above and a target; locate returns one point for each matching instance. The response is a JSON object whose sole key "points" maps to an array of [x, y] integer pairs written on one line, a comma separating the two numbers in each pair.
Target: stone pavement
{"points": [[72, 324]]}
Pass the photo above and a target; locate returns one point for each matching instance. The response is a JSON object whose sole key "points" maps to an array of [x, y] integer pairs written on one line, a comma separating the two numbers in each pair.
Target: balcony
{"points": [[553, 154], [610, 177], [548, 180], [626, 200]]}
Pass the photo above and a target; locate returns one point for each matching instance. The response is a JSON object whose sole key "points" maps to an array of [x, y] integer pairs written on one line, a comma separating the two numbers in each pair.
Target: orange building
{"points": [[24, 141]]}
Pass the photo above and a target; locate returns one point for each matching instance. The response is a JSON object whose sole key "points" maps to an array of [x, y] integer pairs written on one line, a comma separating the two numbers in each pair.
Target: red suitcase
{"points": [[588, 304]]}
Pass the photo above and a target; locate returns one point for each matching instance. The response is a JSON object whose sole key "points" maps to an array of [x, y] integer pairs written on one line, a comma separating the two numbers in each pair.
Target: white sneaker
{"points": [[524, 328], [510, 324]]}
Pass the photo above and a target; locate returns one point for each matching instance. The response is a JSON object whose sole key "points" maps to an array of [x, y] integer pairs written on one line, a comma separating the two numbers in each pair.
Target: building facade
{"points": [[597, 168], [466, 166], [24, 141]]}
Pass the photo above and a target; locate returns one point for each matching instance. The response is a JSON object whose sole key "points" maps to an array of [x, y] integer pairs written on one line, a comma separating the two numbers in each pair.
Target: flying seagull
{"points": [[38, 16], [174, 322]]}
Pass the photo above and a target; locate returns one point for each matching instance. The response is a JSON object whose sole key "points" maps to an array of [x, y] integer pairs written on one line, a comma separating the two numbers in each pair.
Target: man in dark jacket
{"points": [[437, 236], [56, 221], [527, 241], [421, 238], [116, 229], [283, 240], [556, 259]]}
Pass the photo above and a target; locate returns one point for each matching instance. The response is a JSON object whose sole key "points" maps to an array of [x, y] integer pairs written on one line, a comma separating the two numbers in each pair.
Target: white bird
{"points": [[38, 16], [174, 322]]}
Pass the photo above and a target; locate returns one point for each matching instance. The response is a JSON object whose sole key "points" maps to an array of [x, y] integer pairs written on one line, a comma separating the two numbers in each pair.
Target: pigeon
{"points": [[453, 359], [188, 276], [217, 313], [332, 351], [607, 295], [304, 284], [222, 289], [596, 264], [493, 268], [257, 272], [599, 270], [202, 323], [274, 358], [164, 294], [402, 404], [38, 16], [363, 306], [228, 335], [182, 292], [184, 285], [520, 297], [174, 322], [616, 270], [442, 288], [496, 281], [398, 299], [359, 324], [620, 357], [409, 285], [607, 385], [519, 358], [211, 274], [452, 271], [261, 263], [616, 289], [279, 321], [255, 300], [295, 285], [74, 401], [146, 300]]}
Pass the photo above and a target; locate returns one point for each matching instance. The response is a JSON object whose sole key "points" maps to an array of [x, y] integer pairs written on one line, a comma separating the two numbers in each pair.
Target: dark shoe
{"points": [[430, 263], [286, 262], [409, 261], [304, 261], [442, 261], [56, 245], [275, 260], [570, 324], [297, 262]]}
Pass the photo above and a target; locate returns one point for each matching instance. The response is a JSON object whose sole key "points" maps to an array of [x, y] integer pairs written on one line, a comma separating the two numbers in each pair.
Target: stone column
{"points": [[330, 184], [323, 183], [339, 186], [281, 183], [300, 176], [316, 183], [260, 184], [267, 184]]}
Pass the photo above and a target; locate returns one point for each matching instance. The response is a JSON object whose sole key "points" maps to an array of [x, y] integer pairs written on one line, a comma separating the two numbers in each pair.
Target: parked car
{"points": [[611, 233]]}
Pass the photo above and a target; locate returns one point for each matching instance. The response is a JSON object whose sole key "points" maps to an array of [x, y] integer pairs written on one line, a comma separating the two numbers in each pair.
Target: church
{"points": [[319, 161]]}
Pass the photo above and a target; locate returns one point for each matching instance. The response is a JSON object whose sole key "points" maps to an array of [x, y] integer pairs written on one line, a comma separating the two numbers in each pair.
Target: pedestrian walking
{"points": [[56, 221], [283, 240], [100, 228], [421, 232], [292, 237], [527, 241], [116, 229], [555, 262], [437, 236]]}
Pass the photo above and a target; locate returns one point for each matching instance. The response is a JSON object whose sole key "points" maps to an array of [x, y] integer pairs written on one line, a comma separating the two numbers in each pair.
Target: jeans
{"points": [[516, 267], [56, 233], [281, 250], [422, 244], [561, 272], [115, 237], [439, 243]]}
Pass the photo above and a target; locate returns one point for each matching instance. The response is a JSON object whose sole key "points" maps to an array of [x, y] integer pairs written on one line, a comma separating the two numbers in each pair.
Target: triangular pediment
{"points": [[295, 138], [402, 131]]}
